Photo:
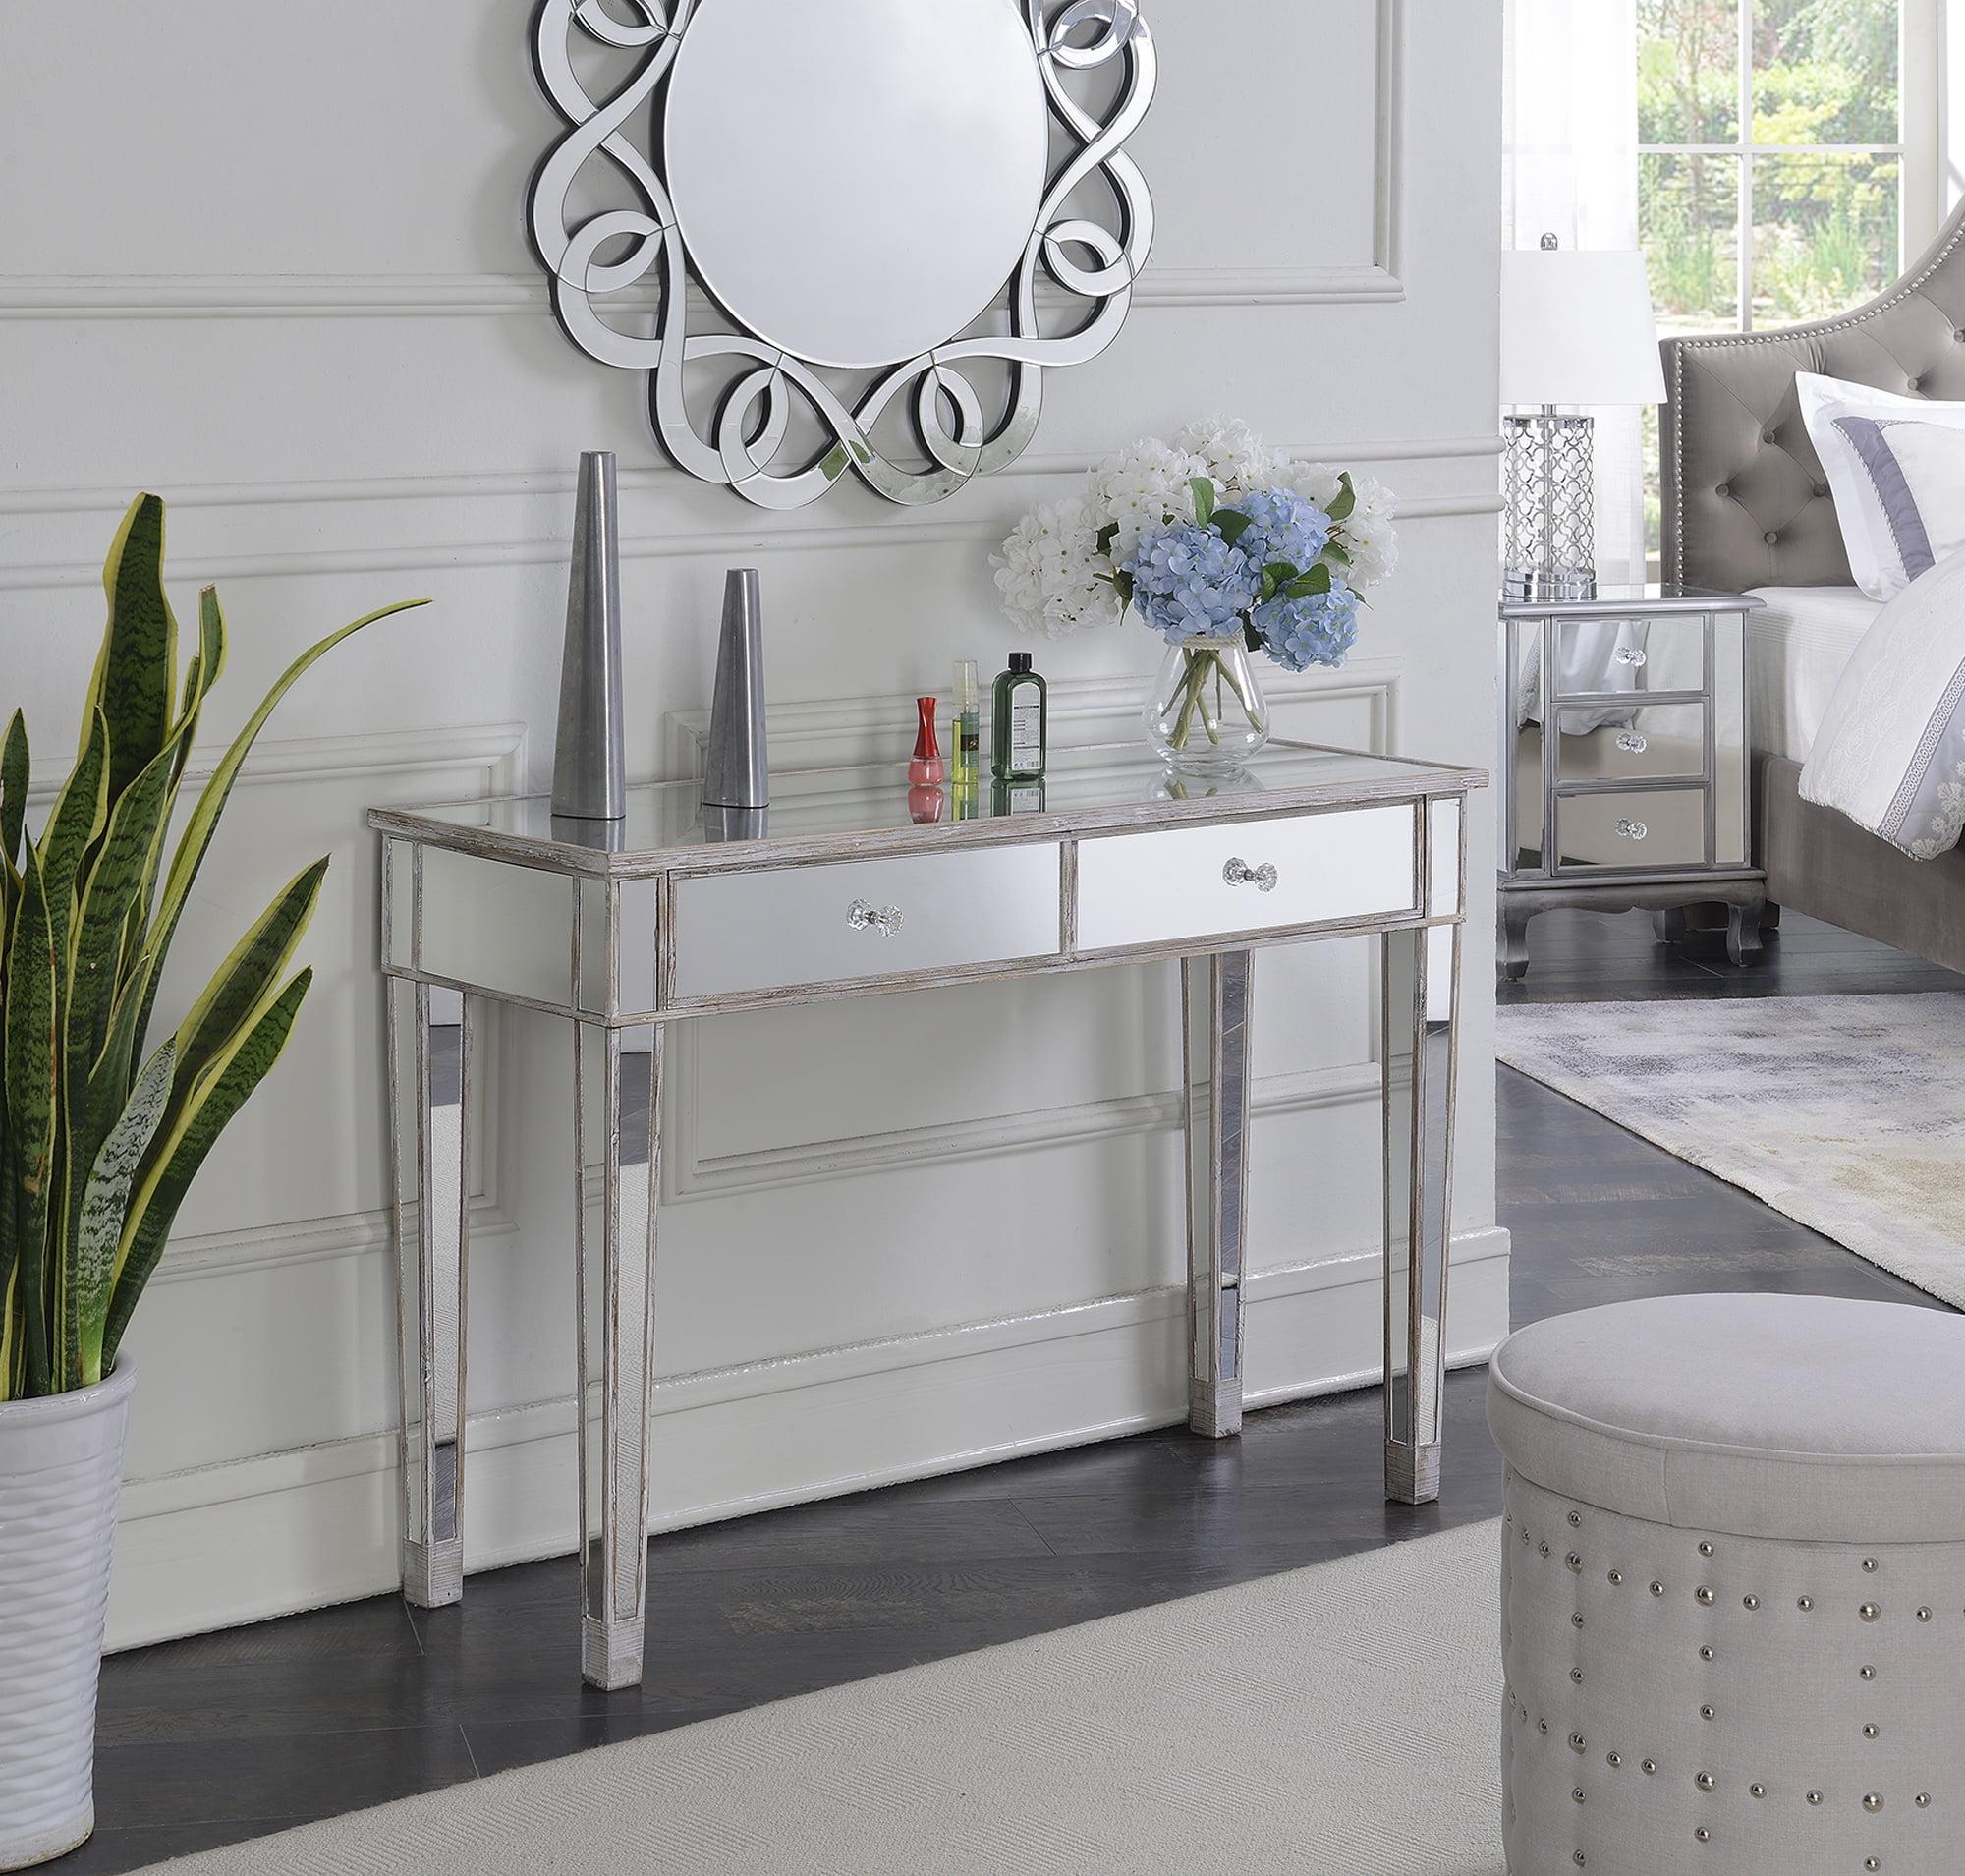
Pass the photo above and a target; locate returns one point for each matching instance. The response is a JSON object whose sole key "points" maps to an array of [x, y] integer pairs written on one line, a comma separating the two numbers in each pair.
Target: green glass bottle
{"points": [[1020, 722]]}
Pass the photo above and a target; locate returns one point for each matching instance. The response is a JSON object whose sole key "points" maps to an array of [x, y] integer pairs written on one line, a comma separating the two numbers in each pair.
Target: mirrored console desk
{"points": [[853, 885]]}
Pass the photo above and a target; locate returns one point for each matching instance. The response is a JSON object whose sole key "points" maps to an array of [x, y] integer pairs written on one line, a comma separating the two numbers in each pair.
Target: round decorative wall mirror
{"points": [[843, 235]]}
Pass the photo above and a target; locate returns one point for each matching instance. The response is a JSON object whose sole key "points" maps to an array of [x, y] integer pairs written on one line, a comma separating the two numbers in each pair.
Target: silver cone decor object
{"points": [[590, 766], [737, 772]]}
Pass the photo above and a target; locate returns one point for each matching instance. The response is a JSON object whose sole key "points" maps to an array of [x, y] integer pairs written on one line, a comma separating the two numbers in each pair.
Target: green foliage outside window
{"points": [[1822, 230], [1814, 186]]}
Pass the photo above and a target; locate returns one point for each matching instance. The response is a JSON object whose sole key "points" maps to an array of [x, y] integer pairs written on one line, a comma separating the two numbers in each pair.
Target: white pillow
{"points": [[1872, 514]]}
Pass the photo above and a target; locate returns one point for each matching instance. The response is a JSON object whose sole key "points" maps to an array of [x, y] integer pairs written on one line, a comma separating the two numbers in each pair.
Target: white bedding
{"points": [[1891, 752], [1798, 646]]}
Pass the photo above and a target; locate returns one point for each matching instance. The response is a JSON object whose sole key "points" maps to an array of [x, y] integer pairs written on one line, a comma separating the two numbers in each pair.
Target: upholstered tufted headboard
{"points": [[1745, 504]]}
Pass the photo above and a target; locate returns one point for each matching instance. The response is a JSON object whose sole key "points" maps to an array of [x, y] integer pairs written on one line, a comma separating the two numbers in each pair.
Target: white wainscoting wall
{"points": [[269, 262]]}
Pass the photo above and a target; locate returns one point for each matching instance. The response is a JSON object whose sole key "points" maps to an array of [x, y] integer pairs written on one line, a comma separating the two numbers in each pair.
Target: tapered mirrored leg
{"points": [[617, 1155], [429, 1053], [1422, 977], [1215, 1000]]}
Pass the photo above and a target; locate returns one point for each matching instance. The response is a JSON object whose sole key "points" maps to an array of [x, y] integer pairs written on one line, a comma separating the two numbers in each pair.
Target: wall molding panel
{"points": [[201, 1548], [322, 297], [546, 549], [656, 478]]}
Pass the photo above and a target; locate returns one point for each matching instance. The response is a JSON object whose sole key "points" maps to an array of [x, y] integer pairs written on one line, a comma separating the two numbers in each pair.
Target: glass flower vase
{"points": [[1207, 713]]}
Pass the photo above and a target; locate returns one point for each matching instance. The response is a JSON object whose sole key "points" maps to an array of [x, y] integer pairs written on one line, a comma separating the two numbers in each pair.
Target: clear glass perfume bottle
{"points": [[1020, 722]]}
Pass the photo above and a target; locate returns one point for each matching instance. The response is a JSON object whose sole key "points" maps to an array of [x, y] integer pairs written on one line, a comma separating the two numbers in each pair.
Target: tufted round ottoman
{"points": [[1734, 1589]]}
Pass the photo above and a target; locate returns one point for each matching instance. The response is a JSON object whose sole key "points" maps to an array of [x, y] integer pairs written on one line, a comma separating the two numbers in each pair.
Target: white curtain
{"points": [[1569, 140]]}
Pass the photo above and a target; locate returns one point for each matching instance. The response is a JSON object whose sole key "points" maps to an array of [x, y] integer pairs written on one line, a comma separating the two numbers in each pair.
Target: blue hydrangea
{"points": [[1282, 526], [1318, 629], [1189, 583]]}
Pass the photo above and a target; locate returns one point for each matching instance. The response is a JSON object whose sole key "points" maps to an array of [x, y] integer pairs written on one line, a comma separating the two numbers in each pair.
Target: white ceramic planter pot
{"points": [[61, 1466]]}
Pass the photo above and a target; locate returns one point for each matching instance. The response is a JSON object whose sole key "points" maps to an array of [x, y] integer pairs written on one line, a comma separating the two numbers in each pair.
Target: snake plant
{"points": [[99, 1141]]}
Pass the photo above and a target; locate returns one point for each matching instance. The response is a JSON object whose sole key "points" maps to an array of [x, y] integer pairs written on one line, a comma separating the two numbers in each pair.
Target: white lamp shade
{"points": [[1577, 328]]}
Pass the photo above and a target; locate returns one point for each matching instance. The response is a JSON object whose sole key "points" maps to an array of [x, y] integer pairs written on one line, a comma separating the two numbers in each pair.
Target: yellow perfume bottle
{"points": [[965, 727]]}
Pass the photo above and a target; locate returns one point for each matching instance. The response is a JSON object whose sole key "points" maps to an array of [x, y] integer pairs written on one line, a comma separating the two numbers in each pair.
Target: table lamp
{"points": [[1576, 328]]}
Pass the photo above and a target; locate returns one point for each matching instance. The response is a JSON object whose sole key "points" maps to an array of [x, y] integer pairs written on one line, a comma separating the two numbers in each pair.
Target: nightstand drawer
{"points": [[1644, 827], [1638, 751], [1256, 875], [1638, 658], [859, 919]]}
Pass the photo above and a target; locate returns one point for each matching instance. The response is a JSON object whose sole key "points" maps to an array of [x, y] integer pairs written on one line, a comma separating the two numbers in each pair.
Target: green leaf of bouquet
{"points": [[1344, 501], [1107, 538], [1231, 524], [1122, 583], [1306, 586], [1203, 498], [1251, 636], [1336, 555]]}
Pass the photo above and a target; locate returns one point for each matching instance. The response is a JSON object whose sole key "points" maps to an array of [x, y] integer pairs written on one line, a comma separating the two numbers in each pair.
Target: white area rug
{"points": [[1845, 1112], [1338, 1721]]}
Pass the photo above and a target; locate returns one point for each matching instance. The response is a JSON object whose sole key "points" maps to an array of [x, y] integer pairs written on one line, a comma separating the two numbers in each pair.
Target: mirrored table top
{"points": [[872, 809], [1610, 600]]}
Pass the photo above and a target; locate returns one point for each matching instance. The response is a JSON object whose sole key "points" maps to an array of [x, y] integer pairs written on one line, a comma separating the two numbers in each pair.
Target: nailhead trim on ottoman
{"points": [[1684, 1700]]}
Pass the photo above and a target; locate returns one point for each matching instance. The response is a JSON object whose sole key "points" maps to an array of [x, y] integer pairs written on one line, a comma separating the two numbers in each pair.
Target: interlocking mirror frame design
{"points": [[787, 322]]}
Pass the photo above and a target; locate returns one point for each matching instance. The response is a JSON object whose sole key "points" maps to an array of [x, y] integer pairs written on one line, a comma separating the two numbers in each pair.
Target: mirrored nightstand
{"points": [[1640, 798]]}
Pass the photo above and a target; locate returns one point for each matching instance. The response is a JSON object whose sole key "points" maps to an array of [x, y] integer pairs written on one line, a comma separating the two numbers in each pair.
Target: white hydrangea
{"points": [[1367, 533], [1139, 488], [1370, 535], [1231, 452], [1048, 572]]}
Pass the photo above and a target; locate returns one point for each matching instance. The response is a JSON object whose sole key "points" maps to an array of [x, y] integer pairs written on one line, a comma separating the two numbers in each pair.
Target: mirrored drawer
{"points": [[1639, 655], [1633, 752], [1257, 875], [850, 921], [1647, 827]]}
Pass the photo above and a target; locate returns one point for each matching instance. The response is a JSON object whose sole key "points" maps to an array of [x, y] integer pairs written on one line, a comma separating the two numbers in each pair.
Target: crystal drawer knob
{"points": [[885, 920], [1241, 872], [1630, 655], [1632, 830], [1631, 743]]}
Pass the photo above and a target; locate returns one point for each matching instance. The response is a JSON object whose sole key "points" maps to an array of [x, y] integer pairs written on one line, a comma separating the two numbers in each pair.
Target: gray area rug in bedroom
{"points": [[1338, 1721], [1847, 1114]]}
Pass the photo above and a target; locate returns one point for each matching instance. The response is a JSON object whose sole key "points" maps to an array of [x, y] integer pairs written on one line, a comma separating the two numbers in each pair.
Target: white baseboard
{"points": [[236, 1542]]}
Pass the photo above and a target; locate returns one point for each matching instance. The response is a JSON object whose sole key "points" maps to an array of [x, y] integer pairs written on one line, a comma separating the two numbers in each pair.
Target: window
{"points": [[1780, 156], [1787, 165]]}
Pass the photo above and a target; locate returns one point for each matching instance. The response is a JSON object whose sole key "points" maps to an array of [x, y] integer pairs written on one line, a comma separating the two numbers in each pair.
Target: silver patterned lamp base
{"points": [[1550, 506]]}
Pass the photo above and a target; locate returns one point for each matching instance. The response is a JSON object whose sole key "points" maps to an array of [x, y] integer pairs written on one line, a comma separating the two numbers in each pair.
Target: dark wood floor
{"points": [[231, 1735]]}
